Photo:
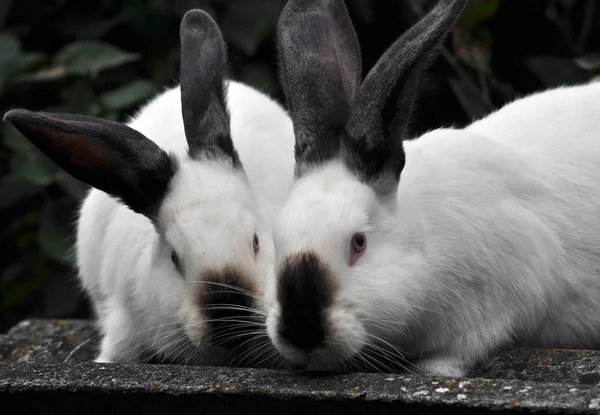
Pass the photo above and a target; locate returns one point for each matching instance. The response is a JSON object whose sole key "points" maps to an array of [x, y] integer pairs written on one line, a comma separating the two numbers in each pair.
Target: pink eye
{"points": [[176, 262], [358, 244], [255, 244]]}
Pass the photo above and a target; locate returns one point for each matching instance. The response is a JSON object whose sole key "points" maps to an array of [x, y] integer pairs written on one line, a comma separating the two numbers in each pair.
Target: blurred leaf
{"points": [[27, 238], [55, 230], [128, 95], [476, 11], [470, 102], [14, 140], [89, 57], [364, 9], [71, 185], [594, 79], [260, 76], [61, 297], [14, 190], [506, 89], [473, 48], [590, 62], [555, 71], [10, 48], [79, 99], [29, 61], [567, 3], [12, 272], [179, 7], [34, 167], [92, 28], [16, 293], [44, 74], [247, 23]]}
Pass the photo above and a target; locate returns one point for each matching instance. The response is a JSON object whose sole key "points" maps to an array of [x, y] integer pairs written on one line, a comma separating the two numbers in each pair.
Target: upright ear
{"points": [[203, 102], [372, 143], [104, 154], [320, 71]]}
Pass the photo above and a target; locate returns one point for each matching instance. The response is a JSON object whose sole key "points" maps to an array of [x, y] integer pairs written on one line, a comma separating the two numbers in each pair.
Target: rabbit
{"points": [[428, 253], [174, 239]]}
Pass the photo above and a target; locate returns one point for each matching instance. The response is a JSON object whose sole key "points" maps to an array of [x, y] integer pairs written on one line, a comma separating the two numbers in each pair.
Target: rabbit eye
{"points": [[358, 244], [176, 262], [255, 244]]}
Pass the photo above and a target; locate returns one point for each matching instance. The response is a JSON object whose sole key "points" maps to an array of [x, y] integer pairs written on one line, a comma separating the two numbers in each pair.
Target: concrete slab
{"points": [[44, 367]]}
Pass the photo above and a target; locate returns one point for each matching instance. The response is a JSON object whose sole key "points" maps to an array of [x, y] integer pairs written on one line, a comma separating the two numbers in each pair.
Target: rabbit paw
{"points": [[443, 366]]}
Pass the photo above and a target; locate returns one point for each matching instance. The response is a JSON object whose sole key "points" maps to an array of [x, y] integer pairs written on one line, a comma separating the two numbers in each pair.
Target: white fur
{"points": [[493, 239], [209, 216]]}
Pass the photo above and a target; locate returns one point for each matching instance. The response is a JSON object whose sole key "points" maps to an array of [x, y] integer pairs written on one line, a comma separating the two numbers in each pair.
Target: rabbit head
{"points": [[337, 236], [201, 205]]}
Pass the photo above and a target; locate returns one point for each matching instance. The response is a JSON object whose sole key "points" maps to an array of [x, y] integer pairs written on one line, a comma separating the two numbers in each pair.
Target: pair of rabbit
{"points": [[381, 251], [174, 239], [433, 252]]}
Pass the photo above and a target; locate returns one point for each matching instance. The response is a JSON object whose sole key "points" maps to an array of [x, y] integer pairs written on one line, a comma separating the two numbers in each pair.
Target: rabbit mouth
{"points": [[227, 301]]}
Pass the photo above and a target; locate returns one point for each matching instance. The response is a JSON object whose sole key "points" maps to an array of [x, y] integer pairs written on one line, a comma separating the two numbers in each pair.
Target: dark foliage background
{"points": [[106, 57]]}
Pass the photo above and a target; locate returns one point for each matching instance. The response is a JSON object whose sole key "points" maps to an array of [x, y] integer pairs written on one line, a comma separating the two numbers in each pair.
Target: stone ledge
{"points": [[44, 366]]}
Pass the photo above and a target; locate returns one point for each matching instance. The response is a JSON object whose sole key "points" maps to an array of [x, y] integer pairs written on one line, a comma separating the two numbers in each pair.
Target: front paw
{"points": [[446, 367], [103, 358]]}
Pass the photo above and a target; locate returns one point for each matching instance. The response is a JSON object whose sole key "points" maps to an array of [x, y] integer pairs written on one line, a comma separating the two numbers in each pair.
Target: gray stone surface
{"points": [[44, 367], [50, 341]]}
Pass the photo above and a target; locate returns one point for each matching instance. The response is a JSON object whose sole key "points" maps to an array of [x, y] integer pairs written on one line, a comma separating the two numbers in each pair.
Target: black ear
{"points": [[203, 102], [372, 143], [104, 154], [320, 71]]}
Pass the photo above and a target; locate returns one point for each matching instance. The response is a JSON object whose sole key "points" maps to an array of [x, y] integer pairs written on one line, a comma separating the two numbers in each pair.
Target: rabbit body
{"points": [[169, 238], [430, 253], [509, 230], [136, 299]]}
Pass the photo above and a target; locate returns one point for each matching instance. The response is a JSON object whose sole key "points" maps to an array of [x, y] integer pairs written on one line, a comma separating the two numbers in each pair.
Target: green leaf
{"points": [[61, 297], [12, 272], [44, 74], [16, 293], [127, 95], [469, 102], [590, 62], [34, 167], [555, 71], [364, 9], [594, 79], [247, 23], [10, 49], [90, 57], [71, 186], [259, 76], [29, 61], [55, 231], [14, 190], [92, 28], [179, 7], [79, 99], [473, 48], [14, 140], [476, 11]]}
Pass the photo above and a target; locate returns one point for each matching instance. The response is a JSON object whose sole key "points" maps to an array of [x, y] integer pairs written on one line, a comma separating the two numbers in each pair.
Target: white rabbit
{"points": [[437, 251], [175, 241]]}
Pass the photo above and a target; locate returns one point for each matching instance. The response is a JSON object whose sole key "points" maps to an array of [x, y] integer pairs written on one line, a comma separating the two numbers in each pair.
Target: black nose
{"points": [[304, 292], [228, 306]]}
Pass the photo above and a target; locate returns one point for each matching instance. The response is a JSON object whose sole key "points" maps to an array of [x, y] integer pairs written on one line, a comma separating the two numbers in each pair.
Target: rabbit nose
{"points": [[228, 307], [305, 291]]}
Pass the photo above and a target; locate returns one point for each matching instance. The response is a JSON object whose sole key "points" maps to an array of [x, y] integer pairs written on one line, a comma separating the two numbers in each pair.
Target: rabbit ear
{"points": [[320, 70], [372, 143], [203, 102], [109, 156]]}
